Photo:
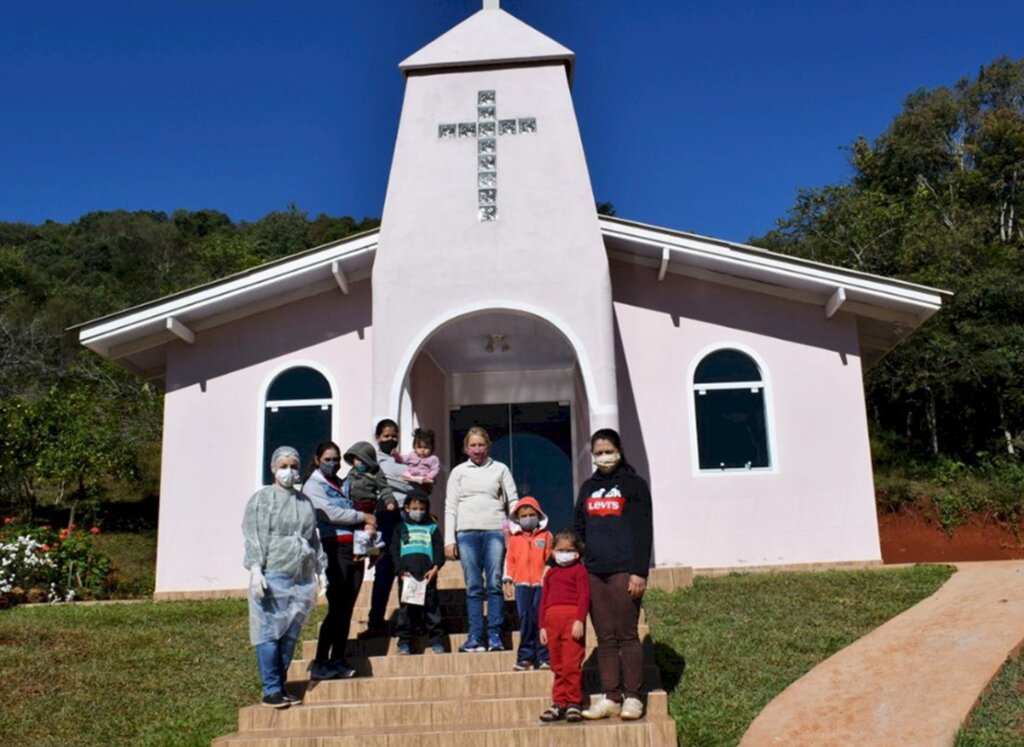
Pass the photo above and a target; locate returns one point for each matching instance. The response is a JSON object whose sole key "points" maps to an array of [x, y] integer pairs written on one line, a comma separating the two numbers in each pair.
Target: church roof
{"points": [[887, 310], [489, 37]]}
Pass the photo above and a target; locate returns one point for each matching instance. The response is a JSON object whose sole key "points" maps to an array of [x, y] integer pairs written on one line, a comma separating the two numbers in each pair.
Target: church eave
{"points": [[135, 337], [887, 309]]}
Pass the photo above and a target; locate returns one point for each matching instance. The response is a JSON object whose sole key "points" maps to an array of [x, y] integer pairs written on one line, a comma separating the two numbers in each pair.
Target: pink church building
{"points": [[494, 294]]}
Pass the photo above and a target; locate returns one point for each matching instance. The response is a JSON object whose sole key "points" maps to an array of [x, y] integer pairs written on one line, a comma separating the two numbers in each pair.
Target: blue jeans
{"points": [[273, 658], [528, 609], [483, 554]]}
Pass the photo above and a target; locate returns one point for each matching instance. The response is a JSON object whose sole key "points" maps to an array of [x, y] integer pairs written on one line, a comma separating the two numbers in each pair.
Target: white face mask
{"points": [[566, 557], [607, 461], [286, 476], [417, 515]]}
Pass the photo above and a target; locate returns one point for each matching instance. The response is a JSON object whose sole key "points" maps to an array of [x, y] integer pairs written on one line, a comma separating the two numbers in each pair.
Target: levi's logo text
{"points": [[608, 503]]}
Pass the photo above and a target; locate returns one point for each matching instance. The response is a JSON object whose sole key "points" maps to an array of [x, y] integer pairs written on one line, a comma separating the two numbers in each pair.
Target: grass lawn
{"points": [[998, 720], [175, 673], [744, 638]]}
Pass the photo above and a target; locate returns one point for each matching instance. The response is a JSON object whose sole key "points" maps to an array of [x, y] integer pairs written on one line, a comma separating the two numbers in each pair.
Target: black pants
{"points": [[344, 579], [384, 570], [411, 616]]}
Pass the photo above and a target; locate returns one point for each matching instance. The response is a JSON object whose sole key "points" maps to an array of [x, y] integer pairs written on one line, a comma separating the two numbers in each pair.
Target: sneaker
{"points": [[323, 670], [494, 643], [602, 707], [553, 713], [523, 666], [342, 671], [404, 649], [573, 714], [275, 700], [437, 648], [291, 699], [472, 645], [632, 709], [546, 665]]}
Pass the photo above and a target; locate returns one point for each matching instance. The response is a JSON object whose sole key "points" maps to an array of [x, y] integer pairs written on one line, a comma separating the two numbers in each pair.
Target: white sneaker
{"points": [[632, 709], [602, 708]]}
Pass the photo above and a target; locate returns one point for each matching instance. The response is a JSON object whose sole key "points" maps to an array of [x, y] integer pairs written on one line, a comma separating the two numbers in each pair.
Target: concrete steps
{"points": [[649, 732], [445, 700]]}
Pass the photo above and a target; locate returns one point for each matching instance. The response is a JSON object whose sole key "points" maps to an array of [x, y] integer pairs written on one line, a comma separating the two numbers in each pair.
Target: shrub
{"points": [[40, 564]]}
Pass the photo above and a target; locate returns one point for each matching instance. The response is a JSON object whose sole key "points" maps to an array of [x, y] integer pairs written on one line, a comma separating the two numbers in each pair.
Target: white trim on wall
{"points": [[262, 403], [769, 411]]}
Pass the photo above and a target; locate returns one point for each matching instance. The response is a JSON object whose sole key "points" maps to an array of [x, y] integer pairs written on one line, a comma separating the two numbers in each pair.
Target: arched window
{"points": [[297, 413], [729, 408]]}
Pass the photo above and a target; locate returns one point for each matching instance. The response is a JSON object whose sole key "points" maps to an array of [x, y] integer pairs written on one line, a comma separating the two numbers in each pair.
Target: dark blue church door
{"points": [[535, 440]]}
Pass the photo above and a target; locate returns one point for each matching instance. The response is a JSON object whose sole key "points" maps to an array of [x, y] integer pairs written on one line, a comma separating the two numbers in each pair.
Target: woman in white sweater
{"points": [[481, 494]]}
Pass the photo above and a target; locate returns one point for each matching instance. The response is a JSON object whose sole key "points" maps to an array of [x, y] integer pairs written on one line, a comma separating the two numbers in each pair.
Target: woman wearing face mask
{"points": [[337, 519], [613, 518], [481, 494], [386, 435], [284, 558]]}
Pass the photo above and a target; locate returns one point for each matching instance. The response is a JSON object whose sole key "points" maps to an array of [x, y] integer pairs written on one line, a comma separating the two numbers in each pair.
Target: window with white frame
{"points": [[297, 413], [729, 409]]}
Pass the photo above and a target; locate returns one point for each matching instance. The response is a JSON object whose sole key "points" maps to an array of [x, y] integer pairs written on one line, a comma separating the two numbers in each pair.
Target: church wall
{"points": [[213, 414], [427, 389], [817, 503]]}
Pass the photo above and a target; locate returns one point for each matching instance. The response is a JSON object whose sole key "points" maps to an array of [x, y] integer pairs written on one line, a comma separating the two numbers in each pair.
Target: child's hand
{"points": [[510, 590], [406, 575], [543, 637], [577, 631]]}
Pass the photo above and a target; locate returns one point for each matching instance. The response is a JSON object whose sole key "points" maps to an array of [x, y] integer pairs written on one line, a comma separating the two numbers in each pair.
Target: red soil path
{"points": [[912, 537]]}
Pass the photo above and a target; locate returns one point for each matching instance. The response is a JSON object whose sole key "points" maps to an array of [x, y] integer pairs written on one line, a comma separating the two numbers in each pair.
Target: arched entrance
{"points": [[516, 375]]}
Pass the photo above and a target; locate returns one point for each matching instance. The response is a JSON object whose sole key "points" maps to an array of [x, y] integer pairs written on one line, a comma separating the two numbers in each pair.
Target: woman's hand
{"points": [[429, 575], [451, 552], [578, 630], [371, 522], [637, 586], [543, 637]]}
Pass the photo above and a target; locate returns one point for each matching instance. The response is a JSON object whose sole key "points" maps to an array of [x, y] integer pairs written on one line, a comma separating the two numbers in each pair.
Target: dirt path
{"points": [[913, 680], [911, 537]]}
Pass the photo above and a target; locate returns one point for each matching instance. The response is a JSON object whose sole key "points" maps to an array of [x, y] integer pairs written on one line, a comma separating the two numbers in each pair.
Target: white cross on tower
{"points": [[485, 131]]}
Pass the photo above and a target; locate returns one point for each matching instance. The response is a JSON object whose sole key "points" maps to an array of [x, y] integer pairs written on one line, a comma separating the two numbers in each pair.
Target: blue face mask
{"points": [[329, 467], [361, 468]]}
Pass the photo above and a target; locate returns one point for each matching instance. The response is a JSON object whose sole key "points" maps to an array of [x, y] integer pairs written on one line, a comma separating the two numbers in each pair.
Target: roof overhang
{"points": [[137, 338], [887, 310]]}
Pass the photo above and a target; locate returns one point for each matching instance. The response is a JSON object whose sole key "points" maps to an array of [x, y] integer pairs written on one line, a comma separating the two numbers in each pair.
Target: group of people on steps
{"points": [[316, 531]]}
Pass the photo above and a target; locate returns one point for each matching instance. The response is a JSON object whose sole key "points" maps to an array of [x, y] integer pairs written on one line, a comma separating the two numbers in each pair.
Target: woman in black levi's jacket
{"points": [[613, 517]]}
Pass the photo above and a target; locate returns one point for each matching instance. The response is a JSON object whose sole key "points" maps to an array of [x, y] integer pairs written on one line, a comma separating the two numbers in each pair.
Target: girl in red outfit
{"points": [[563, 616]]}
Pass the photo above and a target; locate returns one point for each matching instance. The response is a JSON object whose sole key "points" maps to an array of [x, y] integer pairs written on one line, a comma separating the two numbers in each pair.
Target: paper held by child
{"points": [[362, 542], [413, 591]]}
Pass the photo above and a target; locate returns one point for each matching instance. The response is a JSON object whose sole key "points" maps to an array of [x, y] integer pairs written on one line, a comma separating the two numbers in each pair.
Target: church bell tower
{"points": [[489, 206]]}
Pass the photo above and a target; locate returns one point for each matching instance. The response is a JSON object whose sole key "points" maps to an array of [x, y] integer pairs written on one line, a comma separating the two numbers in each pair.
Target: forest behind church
{"points": [[936, 199]]}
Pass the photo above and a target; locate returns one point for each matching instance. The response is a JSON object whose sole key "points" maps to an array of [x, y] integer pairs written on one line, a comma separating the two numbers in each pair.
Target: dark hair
{"points": [[568, 533], [612, 435], [423, 436], [319, 452], [421, 498], [385, 423]]}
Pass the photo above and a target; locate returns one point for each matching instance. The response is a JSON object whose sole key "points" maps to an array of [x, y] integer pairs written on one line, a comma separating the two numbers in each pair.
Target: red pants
{"points": [[566, 655]]}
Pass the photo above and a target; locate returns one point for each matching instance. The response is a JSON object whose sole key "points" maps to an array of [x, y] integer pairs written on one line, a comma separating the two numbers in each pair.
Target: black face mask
{"points": [[388, 446]]}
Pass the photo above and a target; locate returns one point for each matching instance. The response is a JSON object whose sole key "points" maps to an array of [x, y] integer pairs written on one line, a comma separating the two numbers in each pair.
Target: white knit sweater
{"points": [[478, 497]]}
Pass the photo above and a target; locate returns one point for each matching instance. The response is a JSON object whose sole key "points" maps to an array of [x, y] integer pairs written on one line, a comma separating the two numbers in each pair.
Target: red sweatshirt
{"points": [[566, 585]]}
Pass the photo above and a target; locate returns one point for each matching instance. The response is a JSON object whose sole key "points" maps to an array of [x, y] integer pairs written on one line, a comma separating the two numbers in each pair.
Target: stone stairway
{"points": [[445, 700]]}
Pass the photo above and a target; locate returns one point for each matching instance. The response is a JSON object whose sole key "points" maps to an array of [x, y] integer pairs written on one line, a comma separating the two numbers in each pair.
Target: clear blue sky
{"points": [[705, 116]]}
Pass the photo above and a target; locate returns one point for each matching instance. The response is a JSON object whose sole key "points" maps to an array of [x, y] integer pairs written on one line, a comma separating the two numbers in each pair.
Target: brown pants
{"points": [[620, 659]]}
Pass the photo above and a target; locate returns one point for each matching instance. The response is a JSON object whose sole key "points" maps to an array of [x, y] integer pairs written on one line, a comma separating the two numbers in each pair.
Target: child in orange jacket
{"points": [[528, 547]]}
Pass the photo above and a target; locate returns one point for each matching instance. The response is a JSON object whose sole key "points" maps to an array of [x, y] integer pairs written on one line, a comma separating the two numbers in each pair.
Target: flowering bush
{"points": [[38, 564]]}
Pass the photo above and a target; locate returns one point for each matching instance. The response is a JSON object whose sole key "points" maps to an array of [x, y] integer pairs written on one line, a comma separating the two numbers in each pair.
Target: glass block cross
{"points": [[485, 131]]}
